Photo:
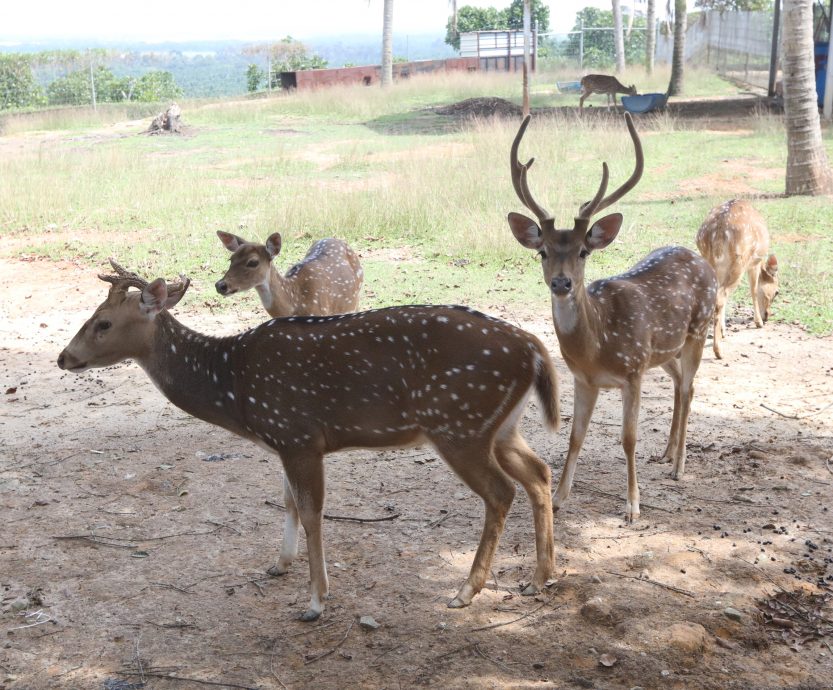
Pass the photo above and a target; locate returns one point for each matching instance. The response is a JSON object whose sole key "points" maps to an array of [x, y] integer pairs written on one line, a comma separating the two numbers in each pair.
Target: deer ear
{"points": [[771, 265], [154, 298], [525, 230], [273, 244], [230, 242], [603, 231]]}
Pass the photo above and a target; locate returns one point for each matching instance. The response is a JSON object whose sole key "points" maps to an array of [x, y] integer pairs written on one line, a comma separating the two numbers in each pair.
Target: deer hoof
{"points": [[277, 570], [458, 603], [530, 590], [309, 615], [631, 513]]}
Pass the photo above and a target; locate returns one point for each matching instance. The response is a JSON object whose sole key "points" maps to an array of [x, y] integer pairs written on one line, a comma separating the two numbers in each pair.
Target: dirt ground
{"points": [[135, 538]]}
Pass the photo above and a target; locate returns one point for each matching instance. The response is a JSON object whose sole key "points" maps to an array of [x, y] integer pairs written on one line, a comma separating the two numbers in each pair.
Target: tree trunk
{"points": [[808, 171], [618, 41], [387, 44], [650, 36], [675, 87]]}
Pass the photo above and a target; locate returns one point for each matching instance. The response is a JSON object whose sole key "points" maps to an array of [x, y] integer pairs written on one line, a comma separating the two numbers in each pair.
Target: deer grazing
{"points": [[615, 329], [603, 83], [326, 281], [303, 387], [734, 240]]}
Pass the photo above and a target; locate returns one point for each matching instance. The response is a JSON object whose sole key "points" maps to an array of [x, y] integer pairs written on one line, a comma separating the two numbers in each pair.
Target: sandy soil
{"points": [[126, 555]]}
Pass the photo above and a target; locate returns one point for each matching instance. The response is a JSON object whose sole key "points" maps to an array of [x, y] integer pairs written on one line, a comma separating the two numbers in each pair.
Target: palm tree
{"points": [[675, 87], [651, 36], [808, 171], [618, 41], [387, 44]]}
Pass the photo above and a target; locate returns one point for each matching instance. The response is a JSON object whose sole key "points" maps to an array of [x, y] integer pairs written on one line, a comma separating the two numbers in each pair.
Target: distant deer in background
{"points": [[615, 329], [734, 240], [303, 387], [326, 281], [603, 83]]}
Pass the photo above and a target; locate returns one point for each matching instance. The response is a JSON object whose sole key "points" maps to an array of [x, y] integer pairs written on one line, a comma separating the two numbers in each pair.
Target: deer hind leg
{"points": [[305, 475], [689, 363], [672, 368], [719, 322], [584, 401], [477, 466], [754, 273], [584, 94], [520, 462], [289, 546], [631, 392]]}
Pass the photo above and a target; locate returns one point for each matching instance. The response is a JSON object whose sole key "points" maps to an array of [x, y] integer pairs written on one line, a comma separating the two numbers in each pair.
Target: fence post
{"points": [[581, 45], [828, 79], [773, 57]]}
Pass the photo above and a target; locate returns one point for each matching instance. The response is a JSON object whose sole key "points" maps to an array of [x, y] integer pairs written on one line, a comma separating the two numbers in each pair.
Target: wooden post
{"points": [[526, 58], [773, 56]]}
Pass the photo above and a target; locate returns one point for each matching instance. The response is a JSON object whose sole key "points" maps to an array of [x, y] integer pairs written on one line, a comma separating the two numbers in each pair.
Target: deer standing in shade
{"points": [[326, 281], [603, 83], [303, 387], [734, 240], [613, 330]]}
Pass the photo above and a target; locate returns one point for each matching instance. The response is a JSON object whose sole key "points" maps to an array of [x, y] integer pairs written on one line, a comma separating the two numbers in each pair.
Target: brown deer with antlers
{"points": [[606, 84], [326, 281], [615, 329], [305, 387], [734, 240]]}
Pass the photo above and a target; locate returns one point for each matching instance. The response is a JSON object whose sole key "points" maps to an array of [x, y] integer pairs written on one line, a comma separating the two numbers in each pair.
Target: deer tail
{"points": [[546, 387]]}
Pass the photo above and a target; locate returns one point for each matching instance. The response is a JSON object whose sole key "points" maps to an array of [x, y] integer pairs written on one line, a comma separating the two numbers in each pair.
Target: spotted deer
{"points": [[326, 281], [303, 387], [603, 83], [615, 329], [734, 240]]}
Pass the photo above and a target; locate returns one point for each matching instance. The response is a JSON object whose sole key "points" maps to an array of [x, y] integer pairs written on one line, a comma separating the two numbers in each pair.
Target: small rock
{"points": [[596, 580], [20, 604], [690, 638], [607, 660], [368, 622], [734, 614], [598, 610], [664, 673], [537, 665]]}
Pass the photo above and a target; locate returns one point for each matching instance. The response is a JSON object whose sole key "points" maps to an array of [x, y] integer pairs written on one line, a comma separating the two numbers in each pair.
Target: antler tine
{"points": [[588, 208], [125, 279], [635, 176], [519, 171]]}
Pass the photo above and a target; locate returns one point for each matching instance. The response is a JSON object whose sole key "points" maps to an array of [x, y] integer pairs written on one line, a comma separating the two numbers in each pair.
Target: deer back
{"points": [[327, 280]]}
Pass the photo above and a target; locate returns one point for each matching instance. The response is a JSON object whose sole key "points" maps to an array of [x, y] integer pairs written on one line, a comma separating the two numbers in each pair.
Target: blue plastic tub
{"points": [[568, 86], [644, 102]]}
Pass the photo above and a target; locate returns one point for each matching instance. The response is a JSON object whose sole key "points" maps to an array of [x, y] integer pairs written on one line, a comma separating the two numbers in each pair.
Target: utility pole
{"points": [[527, 24], [92, 81]]}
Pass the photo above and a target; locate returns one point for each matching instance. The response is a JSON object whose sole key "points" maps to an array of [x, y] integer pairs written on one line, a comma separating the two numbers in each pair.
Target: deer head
{"points": [[250, 263], [564, 252], [122, 326]]}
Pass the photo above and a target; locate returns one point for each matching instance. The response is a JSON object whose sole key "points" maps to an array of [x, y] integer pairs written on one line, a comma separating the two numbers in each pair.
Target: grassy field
{"points": [[422, 197]]}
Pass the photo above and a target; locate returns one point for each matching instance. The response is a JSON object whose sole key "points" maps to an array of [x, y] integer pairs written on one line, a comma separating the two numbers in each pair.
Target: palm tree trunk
{"points": [[675, 87], [387, 44], [808, 171], [651, 35], [618, 41]]}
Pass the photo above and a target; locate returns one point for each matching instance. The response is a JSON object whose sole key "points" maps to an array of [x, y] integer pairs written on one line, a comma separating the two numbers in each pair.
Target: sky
{"points": [[248, 20]]}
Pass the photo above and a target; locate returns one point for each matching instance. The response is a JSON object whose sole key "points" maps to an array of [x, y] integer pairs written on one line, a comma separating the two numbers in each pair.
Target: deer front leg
{"points": [[584, 401], [289, 545], [689, 364], [672, 368], [719, 322], [754, 275], [305, 474], [631, 393]]}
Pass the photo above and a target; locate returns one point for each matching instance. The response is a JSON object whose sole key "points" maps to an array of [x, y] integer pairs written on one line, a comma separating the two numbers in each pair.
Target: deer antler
{"points": [[519, 181], [590, 208], [124, 278]]}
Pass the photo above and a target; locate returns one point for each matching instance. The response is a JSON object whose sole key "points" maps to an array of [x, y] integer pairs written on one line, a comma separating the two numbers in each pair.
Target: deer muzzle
{"points": [[68, 362], [223, 288], [561, 285]]}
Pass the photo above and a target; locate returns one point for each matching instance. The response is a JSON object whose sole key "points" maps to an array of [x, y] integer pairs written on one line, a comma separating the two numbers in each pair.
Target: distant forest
{"points": [[206, 69]]}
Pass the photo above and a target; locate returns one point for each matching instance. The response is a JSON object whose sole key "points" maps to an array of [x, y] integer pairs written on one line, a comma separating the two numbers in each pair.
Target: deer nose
{"points": [[61, 361], [222, 287], [561, 285]]}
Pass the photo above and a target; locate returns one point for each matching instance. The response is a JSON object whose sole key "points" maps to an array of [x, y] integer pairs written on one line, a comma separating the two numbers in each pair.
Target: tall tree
{"points": [[675, 87], [618, 39], [651, 35], [808, 170], [387, 44]]}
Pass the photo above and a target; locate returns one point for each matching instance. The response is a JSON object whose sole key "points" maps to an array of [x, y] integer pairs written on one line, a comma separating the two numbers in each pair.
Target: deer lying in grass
{"points": [[734, 240], [305, 387], [326, 281], [603, 83], [612, 331]]}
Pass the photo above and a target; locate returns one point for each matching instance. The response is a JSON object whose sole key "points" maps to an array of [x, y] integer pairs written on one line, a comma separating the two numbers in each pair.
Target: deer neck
{"points": [[577, 321], [194, 372], [277, 294]]}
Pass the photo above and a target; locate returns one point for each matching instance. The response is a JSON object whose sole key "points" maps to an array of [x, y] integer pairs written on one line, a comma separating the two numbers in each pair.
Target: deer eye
{"points": [[102, 325], [584, 253], [542, 254], [252, 263]]}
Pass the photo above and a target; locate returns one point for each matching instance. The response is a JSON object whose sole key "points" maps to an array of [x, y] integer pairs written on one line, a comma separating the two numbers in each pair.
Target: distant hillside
{"points": [[205, 69]]}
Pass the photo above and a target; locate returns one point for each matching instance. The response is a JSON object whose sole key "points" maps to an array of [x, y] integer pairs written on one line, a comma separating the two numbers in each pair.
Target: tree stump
{"points": [[168, 121]]}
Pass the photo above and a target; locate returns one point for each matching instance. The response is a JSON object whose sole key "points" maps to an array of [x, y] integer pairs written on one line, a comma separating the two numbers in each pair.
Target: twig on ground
{"points": [[589, 488], [440, 520], [694, 549], [138, 657], [222, 684], [795, 416], [165, 585], [109, 540], [95, 540], [312, 630], [332, 649], [514, 620], [827, 463], [223, 524], [483, 655], [678, 590], [342, 517]]}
